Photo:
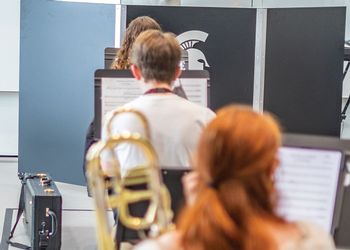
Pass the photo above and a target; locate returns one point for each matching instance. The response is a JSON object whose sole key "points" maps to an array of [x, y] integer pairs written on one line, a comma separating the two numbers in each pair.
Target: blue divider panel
{"points": [[61, 46]]}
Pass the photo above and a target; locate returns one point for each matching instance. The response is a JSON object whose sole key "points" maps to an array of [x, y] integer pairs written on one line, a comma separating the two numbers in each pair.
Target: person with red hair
{"points": [[231, 196]]}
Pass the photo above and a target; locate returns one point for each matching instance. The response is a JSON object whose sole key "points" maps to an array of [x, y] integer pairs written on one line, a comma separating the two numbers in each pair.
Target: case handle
{"points": [[54, 224]]}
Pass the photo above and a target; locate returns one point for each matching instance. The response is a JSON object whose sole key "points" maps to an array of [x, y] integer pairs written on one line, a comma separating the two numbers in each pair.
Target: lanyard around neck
{"points": [[158, 91]]}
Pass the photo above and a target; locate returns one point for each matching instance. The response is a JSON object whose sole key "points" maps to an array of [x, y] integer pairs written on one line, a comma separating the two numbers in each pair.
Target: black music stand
{"points": [[111, 53], [172, 180], [341, 221], [121, 75], [346, 59]]}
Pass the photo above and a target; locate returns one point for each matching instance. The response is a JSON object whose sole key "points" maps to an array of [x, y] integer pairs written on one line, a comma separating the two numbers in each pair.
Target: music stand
{"points": [[346, 59], [121, 83], [339, 228], [172, 179], [111, 53]]}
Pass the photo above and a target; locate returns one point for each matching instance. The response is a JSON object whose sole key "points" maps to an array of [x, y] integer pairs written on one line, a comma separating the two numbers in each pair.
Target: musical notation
{"points": [[307, 182]]}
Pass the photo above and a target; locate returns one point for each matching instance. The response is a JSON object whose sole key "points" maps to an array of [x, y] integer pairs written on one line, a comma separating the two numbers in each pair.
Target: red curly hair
{"points": [[236, 158]]}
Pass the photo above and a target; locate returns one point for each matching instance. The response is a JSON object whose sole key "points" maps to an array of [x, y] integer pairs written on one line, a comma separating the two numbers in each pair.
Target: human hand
{"points": [[190, 183]]}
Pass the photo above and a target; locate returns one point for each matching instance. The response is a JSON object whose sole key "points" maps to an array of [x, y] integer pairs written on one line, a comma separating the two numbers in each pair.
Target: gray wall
{"points": [[61, 46]]}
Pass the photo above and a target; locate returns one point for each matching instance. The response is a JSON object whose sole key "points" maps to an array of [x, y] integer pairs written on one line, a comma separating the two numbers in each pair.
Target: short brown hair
{"points": [[157, 55]]}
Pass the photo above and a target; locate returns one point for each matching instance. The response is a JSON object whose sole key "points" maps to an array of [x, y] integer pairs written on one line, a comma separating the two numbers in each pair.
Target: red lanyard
{"points": [[157, 91]]}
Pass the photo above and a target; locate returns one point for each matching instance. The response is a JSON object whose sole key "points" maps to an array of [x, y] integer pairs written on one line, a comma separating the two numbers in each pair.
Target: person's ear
{"points": [[136, 72], [274, 168], [178, 72]]}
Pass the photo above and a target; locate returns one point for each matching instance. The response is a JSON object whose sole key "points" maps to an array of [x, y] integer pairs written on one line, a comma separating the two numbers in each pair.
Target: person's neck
{"points": [[156, 85]]}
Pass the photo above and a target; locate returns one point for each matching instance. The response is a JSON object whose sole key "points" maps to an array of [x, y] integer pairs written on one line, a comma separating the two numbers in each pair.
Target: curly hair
{"points": [[135, 28]]}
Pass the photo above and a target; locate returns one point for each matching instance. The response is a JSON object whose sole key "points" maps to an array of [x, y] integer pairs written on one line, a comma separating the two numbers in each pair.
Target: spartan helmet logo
{"points": [[196, 57]]}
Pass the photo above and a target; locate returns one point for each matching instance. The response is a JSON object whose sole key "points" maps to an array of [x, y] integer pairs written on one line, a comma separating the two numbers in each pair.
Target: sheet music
{"points": [[307, 182], [116, 92], [195, 88]]}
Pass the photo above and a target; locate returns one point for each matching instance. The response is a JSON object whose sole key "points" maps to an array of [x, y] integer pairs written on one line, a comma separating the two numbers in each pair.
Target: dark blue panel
{"points": [[61, 46], [304, 68]]}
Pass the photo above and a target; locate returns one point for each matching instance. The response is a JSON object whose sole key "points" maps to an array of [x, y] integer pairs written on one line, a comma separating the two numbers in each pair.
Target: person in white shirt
{"points": [[175, 123]]}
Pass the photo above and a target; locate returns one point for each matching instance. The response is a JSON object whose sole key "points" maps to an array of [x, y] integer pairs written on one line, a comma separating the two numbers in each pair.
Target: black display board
{"points": [[304, 63], [229, 47]]}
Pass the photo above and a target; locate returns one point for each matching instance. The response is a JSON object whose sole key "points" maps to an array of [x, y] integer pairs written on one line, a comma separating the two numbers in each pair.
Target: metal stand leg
{"points": [[343, 113]]}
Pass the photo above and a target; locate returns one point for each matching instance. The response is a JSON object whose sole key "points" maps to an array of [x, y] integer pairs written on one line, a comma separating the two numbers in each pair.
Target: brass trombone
{"points": [[113, 114], [158, 217]]}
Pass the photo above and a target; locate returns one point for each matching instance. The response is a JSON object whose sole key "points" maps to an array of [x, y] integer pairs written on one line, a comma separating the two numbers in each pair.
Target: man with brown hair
{"points": [[175, 123]]}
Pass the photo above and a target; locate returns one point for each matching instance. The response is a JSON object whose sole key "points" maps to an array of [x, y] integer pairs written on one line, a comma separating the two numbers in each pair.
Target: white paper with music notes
{"points": [[307, 182], [115, 92]]}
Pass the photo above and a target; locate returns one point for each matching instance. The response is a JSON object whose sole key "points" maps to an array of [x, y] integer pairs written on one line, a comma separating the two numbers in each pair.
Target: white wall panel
{"points": [[9, 44], [8, 123], [9, 75]]}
